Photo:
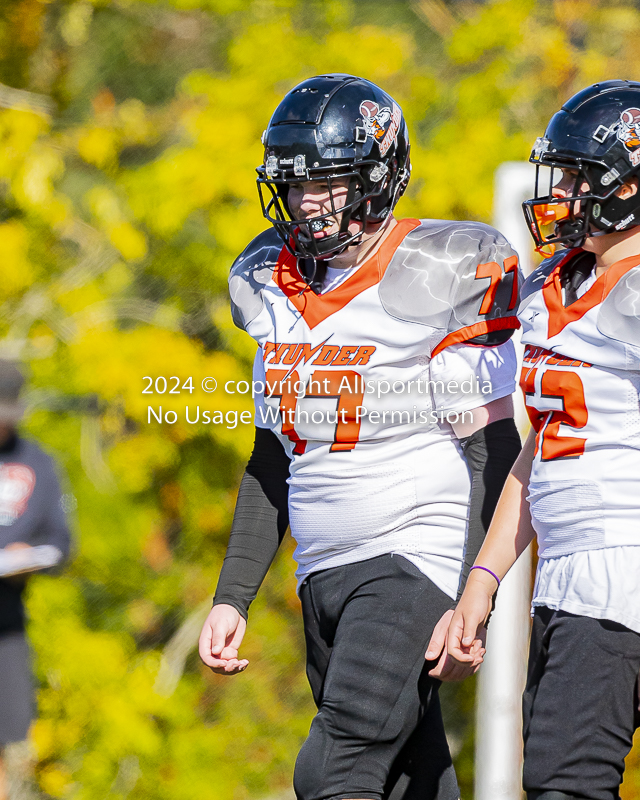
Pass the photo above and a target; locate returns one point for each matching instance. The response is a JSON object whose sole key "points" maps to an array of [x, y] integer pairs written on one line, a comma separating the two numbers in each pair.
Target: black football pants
{"points": [[580, 705], [378, 732]]}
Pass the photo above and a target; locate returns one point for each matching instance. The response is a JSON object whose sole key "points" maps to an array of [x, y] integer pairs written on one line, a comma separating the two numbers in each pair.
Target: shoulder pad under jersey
{"points": [[460, 277], [619, 315], [250, 273], [539, 275]]}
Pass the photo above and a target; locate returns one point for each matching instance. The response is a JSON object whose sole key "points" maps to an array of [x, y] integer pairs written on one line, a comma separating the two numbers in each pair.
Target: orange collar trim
{"points": [[315, 308], [559, 315]]}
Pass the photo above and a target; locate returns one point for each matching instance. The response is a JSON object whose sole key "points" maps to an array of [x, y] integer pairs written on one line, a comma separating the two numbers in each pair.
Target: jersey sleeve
{"points": [[465, 376], [249, 275], [484, 293], [459, 278]]}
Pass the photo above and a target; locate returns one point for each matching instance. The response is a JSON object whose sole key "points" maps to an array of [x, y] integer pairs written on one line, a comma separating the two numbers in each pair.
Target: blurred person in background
{"points": [[384, 496], [34, 535], [576, 484]]}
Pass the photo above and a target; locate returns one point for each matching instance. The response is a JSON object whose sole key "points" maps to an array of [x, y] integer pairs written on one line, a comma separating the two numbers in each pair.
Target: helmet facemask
{"points": [[570, 219], [570, 216], [359, 205]]}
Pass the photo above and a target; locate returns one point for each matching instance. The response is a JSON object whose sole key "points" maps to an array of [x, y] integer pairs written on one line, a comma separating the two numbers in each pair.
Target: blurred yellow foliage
{"points": [[17, 272], [128, 241], [98, 146], [135, 460], [55, 781]]}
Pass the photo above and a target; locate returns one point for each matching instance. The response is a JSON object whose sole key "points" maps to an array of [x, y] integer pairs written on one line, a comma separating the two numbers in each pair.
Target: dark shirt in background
{"points": [[31, 511]]}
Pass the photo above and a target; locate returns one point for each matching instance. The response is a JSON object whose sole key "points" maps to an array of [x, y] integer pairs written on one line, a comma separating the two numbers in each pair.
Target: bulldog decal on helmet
{"points": [[627, 129], [381, 123]]}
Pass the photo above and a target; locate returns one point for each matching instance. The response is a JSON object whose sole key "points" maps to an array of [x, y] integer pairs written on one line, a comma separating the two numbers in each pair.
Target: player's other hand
{"points": [[446, 668], [221, 636], [467, 632]]}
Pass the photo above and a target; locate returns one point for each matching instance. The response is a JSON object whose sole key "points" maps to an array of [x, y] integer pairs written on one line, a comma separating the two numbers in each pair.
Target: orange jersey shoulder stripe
{"points": [[471, 331]]}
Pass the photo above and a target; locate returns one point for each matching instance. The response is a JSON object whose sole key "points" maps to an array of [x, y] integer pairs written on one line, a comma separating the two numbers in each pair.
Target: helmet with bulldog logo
{"points": [[596, 138], [329, 128]]}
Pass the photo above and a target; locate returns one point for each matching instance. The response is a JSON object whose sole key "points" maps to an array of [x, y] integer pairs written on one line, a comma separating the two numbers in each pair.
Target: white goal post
{"points": [[498, 757]]}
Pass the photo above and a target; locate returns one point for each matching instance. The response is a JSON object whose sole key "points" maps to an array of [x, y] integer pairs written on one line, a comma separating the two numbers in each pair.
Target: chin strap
{"points": [[574, 227], [312, 272]]}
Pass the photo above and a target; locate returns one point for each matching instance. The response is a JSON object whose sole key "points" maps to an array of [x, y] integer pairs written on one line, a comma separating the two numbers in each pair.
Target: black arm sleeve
{"points": [[260, 520], [490, 454]]}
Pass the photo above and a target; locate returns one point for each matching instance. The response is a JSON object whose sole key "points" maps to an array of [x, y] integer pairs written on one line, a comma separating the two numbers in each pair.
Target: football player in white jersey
{"points": [[577, 482], [384, 433]]}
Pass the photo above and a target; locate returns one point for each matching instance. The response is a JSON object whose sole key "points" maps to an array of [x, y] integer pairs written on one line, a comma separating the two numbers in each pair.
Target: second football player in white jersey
{"points": [[577, 482]]}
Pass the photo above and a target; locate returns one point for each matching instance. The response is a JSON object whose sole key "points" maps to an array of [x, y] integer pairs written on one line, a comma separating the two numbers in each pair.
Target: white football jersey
{"points": [[358, 380], [581, 378]]}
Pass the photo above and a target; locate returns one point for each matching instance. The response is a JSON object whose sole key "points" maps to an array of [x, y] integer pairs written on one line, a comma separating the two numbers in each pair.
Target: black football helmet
{"points": [[597, 134], [333, 127]]}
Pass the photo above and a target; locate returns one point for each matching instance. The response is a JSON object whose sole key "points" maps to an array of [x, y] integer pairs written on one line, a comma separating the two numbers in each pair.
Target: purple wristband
{"points": [[486, 569]]}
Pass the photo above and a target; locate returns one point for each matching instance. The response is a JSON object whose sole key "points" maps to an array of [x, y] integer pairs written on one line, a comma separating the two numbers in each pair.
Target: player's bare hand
{"points": [[220, 639], [446, 669], [467, 630]]}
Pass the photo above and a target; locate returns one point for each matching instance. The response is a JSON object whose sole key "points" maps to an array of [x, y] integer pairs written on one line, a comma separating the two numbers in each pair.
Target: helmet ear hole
{"points": [[628, 189], [383, 204]]}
